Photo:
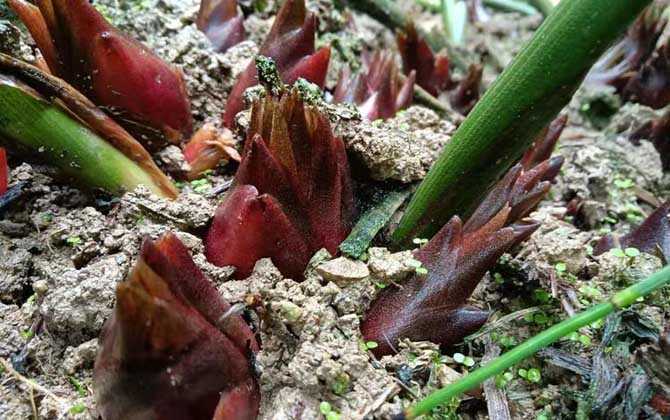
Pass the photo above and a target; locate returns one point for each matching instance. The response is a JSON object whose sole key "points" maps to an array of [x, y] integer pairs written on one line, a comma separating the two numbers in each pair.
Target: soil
{"points": [[64, 250]]}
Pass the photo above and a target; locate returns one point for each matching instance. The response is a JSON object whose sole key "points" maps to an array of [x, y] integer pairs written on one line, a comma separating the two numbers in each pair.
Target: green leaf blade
{"points": [[44, 130]]}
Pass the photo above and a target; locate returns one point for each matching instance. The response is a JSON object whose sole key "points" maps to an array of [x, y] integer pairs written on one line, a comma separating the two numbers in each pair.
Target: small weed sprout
{"points": [[464, 360], [78, 386], [531, 375], [368, 345], [77, 409], [73, 241], [418, 267], [327, 410], [503, 379], [563, 273], [419, 241], [201, 186]]}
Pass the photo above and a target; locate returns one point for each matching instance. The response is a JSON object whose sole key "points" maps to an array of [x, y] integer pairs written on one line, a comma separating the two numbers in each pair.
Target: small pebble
{"points": [[343, 270]]}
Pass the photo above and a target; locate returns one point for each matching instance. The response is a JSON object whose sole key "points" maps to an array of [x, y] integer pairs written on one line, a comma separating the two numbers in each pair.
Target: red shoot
{"points": [[434, 306], [174, 349], [521, 190], [432, 71], [652, 236], [466, 94], [658, 132], [638, 65], [651, 84], [290, 44], [222, 22], [116, 72], [293, 194], [433, 74], [545, 143], [380, 91]]}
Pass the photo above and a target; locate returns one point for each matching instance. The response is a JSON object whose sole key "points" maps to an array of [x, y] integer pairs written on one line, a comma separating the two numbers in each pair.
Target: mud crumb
{"points": [[402, 148], [343, 270]]}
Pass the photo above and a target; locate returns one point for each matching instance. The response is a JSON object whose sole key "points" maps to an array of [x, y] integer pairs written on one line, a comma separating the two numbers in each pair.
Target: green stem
{"points": [[393, 17], [432, 5], [504, 5], [522, 101], [422, 97], [385, 11], [43, 130], [454, 20], [620, 300], [512, 6], [544, 6]]}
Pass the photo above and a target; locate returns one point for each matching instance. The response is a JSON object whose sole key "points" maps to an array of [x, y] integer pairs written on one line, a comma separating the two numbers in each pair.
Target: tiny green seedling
{"points": [[418, 267], [77, 409], [341, 384], [370, 345], [534, 375], [562, 272], [327, 410], [618, 252], [73, 241], [624, 184], [627, 254], [632, 252], [507, 341], [590, 292], [542, 296], [464, 360], [201, 186], [538, 318], [78, 386], [47, 217], [503, 379], [531, 375], [419, 241]]}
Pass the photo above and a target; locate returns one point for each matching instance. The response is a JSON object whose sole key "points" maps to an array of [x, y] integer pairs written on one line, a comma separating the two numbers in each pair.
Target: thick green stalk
{"points": [[43, 130], [512, 6], [393, 17], [454, 20], [504, 5], [385, 11], [544, 6], [524, 99], [432, 5], [531, 346]]}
